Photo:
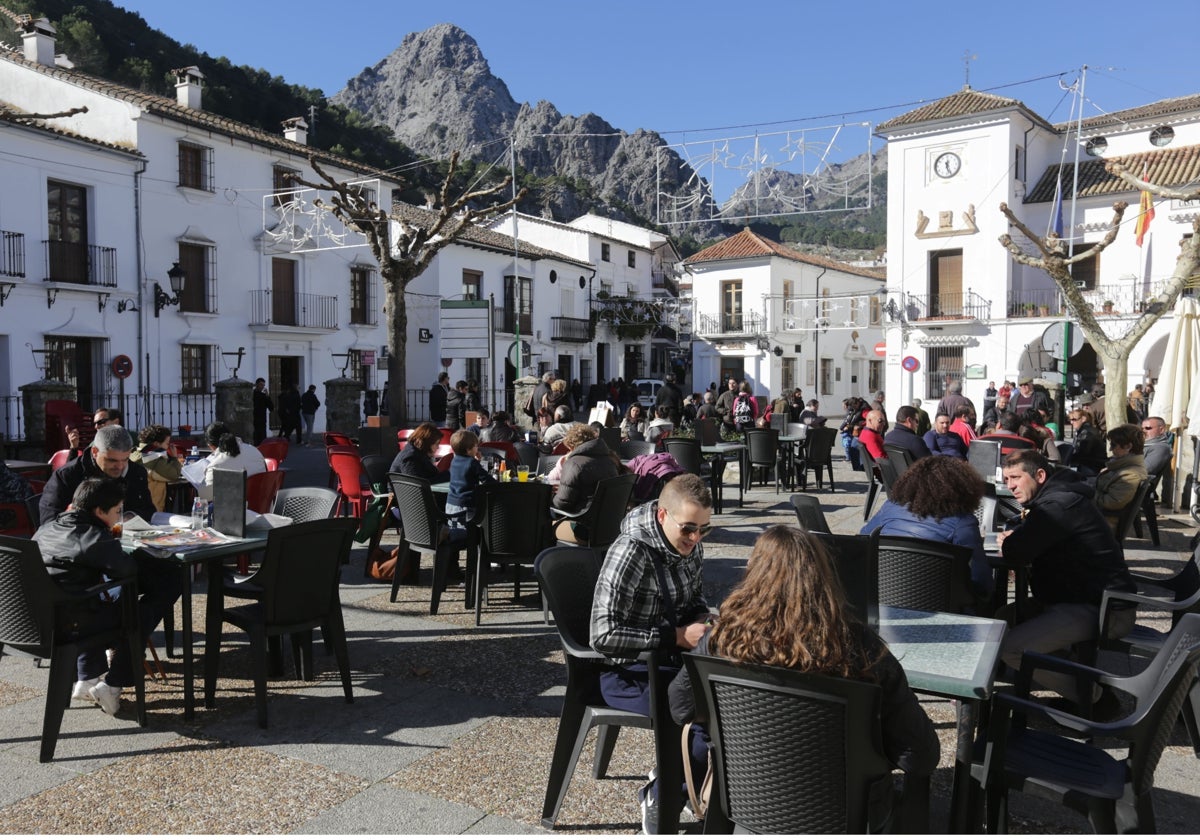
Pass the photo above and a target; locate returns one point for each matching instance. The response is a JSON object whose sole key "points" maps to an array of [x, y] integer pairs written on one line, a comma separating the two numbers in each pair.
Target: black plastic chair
{"points": [[546, 463], [762, 452], [918, 574], [793, 753], [33, 608], [686, 451], [984, 457], [305, 504], [809, 513], [1178, 595], [611, 435], [870, 465], [900, 457], [528, 453], [819, 455], [888, 474], [511, 527], [599, 523], [298, 579], [853, 557], [376, 469], [425, 527], [568, 580], [627, 450], [1149, 511], [707, 431], [1131, 510], [985, 513], [1115, 794]]}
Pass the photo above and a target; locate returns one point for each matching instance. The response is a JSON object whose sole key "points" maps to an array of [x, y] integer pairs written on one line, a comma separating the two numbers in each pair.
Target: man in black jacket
{"points": [[905, 433], [107, 457], [437, 399], [262, 404], [670, 396], [1073, 557]]}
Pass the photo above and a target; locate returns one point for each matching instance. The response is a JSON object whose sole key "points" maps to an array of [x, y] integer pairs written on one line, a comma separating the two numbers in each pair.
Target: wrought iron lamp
{"points": [[176, 275]]}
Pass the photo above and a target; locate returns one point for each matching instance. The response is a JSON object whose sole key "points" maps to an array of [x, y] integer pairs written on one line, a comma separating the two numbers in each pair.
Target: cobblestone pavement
{"points": [[451, 729]]}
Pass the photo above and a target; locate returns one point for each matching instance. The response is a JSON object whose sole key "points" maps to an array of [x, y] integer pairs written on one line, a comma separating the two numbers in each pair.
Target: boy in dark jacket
{"points": [[82, 541], [466, 473]]}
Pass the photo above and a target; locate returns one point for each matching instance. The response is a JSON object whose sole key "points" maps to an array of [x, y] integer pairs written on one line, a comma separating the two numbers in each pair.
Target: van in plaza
{"points": [[647, 391]]}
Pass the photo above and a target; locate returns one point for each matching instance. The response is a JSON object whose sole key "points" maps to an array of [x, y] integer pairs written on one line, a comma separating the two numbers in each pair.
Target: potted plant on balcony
{"points": [[1044, 309], [1029, 309], [185, 430]]}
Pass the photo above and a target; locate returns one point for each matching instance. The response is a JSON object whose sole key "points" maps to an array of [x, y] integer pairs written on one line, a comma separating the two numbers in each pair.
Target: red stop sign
{"points": [[881, 348]]}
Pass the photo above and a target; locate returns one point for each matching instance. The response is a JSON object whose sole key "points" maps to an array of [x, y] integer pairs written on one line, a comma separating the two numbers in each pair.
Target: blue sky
{"points": [[676, 67]]}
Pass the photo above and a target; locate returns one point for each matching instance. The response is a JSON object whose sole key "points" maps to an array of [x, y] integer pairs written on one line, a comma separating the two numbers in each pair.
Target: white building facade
{"points": [[782, 320], [959, 307]]}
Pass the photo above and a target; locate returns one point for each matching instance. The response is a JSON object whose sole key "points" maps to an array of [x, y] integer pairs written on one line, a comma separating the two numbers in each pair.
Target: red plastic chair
{"points": [[505, 449], [402, 436], [560, 448], [272, 464], [352, 482], [446, 434], [336, 439], [261, 489], [274, 447], [443, 463], [60, 458]]}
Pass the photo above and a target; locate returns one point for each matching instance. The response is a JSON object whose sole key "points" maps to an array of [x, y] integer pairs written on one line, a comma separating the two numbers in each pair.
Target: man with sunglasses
{"points": [[649, 597], [1158, 445]]}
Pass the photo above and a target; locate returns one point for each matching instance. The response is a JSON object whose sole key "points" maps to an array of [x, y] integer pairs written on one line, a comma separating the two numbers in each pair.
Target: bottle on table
{"points": [[199, 514]]}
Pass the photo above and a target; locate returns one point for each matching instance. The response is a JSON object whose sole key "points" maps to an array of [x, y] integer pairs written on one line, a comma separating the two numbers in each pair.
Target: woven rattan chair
{"points": [[919, 574], [304, 504], [1131, 511], [627, 450], [853, 557], [818, 455], [599, 523], [793, 753], [33, 609]]}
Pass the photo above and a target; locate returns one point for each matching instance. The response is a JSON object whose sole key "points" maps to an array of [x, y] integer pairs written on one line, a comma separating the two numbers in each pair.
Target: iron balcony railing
{"points": [[959, 306], [293, 310], [659, 279], [576, 330], [78, 262], [12, 254], [731, 323], [1111, 298]]}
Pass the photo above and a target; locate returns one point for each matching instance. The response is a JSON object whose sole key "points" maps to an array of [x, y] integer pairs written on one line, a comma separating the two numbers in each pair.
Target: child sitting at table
{"points": [[466, 473]]}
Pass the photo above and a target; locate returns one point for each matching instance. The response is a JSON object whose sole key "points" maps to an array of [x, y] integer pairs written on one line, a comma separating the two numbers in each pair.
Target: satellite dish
{"points": [[1052, 341]]}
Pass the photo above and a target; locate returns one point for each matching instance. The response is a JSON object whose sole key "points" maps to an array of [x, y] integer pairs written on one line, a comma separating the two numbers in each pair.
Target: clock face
{"points": [[947, 165]]}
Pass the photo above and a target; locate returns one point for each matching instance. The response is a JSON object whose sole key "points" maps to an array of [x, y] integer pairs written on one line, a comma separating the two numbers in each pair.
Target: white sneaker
{"points": [[107, 696], [82, 690], [649, 803]]}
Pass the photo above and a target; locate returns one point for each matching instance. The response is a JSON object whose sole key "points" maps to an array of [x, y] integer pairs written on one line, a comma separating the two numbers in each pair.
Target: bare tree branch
{"points": [[1122, 172], [8, 115]]}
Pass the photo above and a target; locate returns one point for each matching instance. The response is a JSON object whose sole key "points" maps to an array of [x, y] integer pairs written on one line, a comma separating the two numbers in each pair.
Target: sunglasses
{"points": [[690, 528], [1149, 428], [101, 422]]}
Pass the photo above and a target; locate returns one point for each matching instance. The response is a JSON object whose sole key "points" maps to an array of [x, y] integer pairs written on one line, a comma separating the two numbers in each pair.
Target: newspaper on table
{"points": [[176, 540]]}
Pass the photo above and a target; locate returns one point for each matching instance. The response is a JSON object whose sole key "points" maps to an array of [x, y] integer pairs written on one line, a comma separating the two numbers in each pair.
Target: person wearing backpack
{"points": [[745, 408]]}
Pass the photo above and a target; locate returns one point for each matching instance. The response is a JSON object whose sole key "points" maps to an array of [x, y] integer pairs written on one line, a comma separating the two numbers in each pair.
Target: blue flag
{"points": [[1056, 220]]}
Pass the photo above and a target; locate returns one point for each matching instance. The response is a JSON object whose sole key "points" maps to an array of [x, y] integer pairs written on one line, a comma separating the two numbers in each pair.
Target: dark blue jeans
{"points": [[627, 688]]}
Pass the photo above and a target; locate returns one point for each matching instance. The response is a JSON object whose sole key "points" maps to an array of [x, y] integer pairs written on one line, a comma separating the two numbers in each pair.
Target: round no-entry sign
{"points": [[911, 364], [881, 348], [122, 367]]}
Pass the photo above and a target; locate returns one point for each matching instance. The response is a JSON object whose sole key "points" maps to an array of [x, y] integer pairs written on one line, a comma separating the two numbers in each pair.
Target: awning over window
{"points": [[947, 341]]}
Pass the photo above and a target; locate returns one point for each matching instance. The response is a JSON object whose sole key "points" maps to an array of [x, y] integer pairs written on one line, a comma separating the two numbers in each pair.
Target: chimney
{"points": [[296, 130], [187, 86], [38, 39]]}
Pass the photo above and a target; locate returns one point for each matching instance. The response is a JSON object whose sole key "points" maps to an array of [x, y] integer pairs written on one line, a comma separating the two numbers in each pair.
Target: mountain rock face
{"points": [[438, 94]]}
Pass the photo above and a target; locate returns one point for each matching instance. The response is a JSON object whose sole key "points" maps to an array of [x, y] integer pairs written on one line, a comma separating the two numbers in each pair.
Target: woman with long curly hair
{"points": [[790, 612], [935, 499]]}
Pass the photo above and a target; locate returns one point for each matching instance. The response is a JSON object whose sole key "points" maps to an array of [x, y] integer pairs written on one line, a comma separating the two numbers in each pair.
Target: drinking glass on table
{"points": [[522, 473]]}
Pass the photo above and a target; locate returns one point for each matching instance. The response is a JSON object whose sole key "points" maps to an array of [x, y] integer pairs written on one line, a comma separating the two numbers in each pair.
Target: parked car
{"points": [[647, 391]]}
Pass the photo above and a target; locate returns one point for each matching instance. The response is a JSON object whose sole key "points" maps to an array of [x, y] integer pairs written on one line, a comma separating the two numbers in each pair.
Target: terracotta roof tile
{"points": [[481, 237], [169, 108], [963, 103], [1166, 167], [747, 245], [1162, 109]]}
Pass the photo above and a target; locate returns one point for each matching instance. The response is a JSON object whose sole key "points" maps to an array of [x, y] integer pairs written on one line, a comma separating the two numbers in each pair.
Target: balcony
{"points": [[731, 324], [1110, 299], [78, 262], [659, 279], [317, 312], [12, 254], [962, 306], [575, 330]]}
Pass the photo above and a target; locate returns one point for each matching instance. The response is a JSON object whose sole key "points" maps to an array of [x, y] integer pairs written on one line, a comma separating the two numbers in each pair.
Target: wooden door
{"points": [[283, 292]]}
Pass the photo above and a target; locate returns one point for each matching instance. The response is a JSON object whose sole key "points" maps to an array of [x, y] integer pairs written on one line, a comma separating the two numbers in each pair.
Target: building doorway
{"points": [[282, 373]]}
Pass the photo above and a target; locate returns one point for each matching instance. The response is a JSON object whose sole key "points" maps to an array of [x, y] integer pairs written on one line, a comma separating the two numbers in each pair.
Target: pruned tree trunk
{"points": [[1112, 352]]}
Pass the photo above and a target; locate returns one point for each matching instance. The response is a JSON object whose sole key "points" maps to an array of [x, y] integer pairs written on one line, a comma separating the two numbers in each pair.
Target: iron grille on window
{"points": [[195, 167], [195, 368]]}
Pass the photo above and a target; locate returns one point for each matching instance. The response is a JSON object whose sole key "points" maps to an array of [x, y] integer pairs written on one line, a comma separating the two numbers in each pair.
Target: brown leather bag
{"points": [[383, 564]]}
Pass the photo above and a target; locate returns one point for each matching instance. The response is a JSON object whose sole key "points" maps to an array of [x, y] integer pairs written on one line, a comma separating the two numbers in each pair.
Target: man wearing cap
{"points": [[1028, 398]]}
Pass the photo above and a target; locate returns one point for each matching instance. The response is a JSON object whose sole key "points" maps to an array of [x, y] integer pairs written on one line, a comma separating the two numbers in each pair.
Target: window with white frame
{"points": [[196, 368], [632, 259], [199, 264], [362, 295], [605, 252]]}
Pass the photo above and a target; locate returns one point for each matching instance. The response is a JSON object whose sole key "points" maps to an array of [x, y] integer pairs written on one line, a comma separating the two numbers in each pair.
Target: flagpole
{"points": [[1078, 137]]}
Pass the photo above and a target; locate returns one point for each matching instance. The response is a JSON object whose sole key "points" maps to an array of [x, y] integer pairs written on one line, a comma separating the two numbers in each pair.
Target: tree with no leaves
{"points": [[404, 248], [1112, 351]]}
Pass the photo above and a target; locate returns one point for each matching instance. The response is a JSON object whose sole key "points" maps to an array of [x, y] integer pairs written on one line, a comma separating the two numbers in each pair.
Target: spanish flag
{"points": [[1145, 216]]}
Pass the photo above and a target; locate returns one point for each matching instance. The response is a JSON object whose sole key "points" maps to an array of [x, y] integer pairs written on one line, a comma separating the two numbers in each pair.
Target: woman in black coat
{"points": [[416, 458]]}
